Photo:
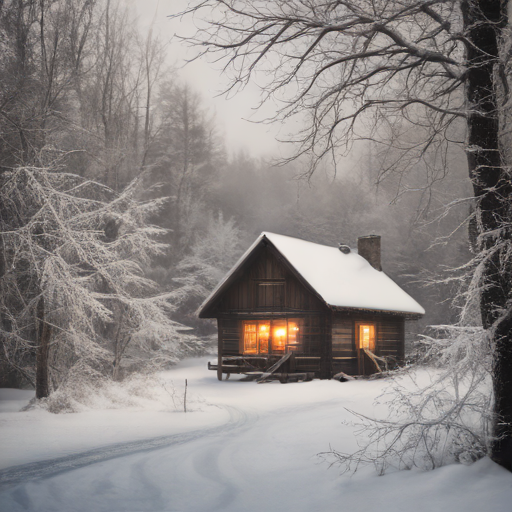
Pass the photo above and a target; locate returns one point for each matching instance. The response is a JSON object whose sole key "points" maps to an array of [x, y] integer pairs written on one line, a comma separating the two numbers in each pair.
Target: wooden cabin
{"points": [[293, 308]]}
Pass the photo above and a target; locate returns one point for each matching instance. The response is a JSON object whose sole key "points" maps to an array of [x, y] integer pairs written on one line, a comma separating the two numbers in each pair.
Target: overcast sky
{"points": [[232, 114]]}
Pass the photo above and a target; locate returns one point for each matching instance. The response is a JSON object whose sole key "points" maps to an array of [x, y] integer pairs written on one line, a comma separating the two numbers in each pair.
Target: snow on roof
{"points": [[342, 280]]}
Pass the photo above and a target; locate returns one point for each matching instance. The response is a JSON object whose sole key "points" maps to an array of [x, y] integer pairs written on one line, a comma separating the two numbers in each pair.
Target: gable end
{"points": [[264, 281]]}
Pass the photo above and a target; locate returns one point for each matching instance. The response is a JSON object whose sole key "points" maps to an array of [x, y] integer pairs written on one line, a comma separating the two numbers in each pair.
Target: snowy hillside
{"points": [[241, 447]]}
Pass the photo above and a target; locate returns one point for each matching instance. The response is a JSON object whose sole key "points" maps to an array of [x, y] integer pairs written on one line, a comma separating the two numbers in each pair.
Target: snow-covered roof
{"points": [[341, 280]]}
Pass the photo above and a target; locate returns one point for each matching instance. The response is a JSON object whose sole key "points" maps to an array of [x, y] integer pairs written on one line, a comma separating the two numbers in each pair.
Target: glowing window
{"points": [[279, 337], [271, 336], [293, 335], [366, 334], [256, 336], [250, 339], [263, 335]]}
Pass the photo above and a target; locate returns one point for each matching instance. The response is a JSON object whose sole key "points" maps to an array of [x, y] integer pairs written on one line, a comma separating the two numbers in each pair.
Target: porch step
{"points": [[274, 367]]}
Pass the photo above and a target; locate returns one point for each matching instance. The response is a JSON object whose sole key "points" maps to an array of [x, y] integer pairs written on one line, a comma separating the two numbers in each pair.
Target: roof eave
{"points": [[408, 314]]}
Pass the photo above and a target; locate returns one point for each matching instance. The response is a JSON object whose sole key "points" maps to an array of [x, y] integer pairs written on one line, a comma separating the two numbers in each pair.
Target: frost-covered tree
{"points": [[212, 254], [73, 289], [435, 416]]}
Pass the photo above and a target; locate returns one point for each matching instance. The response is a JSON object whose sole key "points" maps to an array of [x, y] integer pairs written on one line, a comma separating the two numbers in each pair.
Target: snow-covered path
{"points": [[262, 458], [46, 468], [249, 461]]}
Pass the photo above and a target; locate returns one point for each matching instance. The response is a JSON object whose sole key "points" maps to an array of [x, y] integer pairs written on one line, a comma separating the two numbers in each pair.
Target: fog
{"points": [[236, 117], [198, 176], [335, 205]]}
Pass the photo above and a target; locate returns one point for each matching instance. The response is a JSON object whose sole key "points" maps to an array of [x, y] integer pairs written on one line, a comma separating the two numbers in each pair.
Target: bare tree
{"points": [[43, 49], [339, 64], [152, 57], [185, 160]]}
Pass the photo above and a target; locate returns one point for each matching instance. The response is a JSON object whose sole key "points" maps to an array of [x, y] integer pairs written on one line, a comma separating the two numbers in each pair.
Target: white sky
{"points": [[231, 114]]}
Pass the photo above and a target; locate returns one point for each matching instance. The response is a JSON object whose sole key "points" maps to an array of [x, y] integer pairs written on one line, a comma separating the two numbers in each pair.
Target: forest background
{"points": [[122, 205]]}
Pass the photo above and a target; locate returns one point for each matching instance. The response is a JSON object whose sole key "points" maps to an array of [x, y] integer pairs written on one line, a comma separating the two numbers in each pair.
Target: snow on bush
{"points": [[437, 415], [87, 389]]}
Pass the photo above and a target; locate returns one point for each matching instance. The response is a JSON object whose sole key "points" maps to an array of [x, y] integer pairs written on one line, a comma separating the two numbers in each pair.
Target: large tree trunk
{"points": [[485, 22], [43, 350]]}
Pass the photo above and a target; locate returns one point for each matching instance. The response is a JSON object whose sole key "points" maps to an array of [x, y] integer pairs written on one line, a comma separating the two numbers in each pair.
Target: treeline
{"points": [[121, 208]]}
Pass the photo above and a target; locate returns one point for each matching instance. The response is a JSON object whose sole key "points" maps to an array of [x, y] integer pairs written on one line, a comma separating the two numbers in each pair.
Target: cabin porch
{"points": [[292, 367], [287, 367]]}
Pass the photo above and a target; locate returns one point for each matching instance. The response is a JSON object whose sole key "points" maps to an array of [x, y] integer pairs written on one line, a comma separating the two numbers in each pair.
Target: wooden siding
{"points": [[344, 358], [391, 339], [313, 333], [315, 355], [267, 285], [343, 337], [230, 330]]}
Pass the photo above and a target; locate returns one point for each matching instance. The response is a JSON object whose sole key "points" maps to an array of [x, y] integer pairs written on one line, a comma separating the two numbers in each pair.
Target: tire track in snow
{"points": [[207, 464], [14, 475]]}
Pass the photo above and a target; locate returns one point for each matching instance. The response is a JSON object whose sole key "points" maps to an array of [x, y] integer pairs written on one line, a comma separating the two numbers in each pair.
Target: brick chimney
{"points": [[369, 248]]}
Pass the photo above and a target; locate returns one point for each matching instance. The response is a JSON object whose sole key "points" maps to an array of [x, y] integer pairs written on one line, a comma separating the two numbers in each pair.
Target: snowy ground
{"points": [[242, 447]]}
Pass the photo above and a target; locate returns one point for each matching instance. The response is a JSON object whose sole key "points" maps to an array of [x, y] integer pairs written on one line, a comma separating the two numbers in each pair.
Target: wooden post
{"points": [[185, 397], [327, 349], [219, 349]]}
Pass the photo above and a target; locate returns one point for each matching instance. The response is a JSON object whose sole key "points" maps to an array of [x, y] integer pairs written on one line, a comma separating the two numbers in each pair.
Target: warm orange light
{"points": [[263, 328], [367, 337], [250, 341], [280, 332]]}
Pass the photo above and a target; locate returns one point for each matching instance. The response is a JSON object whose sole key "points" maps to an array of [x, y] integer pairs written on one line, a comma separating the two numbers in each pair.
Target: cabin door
{"points": [[365, 341]]}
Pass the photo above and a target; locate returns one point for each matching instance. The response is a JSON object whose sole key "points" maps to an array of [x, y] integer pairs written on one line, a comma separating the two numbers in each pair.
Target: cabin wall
{"points": [[391, 339], [389, 342], [267, 285], [314, 352], [230, 334], [328, 342], [344, 354]]}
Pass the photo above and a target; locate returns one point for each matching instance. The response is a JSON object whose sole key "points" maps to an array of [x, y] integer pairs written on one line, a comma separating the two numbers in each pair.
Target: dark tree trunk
{"points": [[484, 22], [43, 349]]}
